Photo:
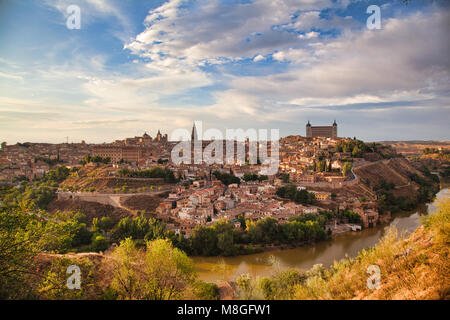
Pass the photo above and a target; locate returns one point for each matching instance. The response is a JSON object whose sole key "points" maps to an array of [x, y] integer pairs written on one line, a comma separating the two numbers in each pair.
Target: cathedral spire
{"points": [[194, 133]]}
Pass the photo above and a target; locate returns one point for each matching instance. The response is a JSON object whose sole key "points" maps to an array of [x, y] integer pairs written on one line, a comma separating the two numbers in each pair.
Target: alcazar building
{"points": [[321, 131]]}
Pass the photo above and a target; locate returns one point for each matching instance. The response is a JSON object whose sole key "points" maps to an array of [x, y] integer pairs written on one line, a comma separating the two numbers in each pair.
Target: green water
{"points": [[259, 264]]}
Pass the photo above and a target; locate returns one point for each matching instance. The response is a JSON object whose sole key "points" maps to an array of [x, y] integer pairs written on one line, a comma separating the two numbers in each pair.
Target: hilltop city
{"points": [[318, 172]]}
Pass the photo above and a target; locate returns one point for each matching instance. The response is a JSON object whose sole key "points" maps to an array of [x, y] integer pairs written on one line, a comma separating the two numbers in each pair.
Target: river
{"points": [[265, 263]]}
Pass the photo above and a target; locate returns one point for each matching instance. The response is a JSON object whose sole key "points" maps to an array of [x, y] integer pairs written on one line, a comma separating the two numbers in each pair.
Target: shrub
{"points": [[99, 243]]}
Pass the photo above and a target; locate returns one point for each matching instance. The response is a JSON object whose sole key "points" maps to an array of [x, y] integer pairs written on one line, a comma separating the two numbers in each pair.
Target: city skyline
{"points": [[144, 66]]}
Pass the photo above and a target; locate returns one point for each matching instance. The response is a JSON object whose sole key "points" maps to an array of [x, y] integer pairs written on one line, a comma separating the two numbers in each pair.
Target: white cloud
{"points": [[404, 63], [258, 58], [403, 57], [194, 35], [11, 76], [309, 35], [295, 56]]}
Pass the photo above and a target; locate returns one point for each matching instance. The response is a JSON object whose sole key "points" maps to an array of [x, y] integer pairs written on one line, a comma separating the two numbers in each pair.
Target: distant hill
{"points": [[425, 142], [415, 147]]}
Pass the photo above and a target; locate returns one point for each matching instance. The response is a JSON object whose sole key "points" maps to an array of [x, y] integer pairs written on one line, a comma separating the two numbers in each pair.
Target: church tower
{"points": [[308, 130], [194, 136], [158, 136], [334, 131]]}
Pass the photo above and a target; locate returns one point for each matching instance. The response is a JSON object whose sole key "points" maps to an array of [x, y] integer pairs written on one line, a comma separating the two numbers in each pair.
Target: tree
{"points": [[226, 178], [95, 225], [285, 177], [241, 219], [300, 196], [162, 272], [169, 270], [204, 241], [352, 216], [205, 291], [18, 247], [156, 172], [346, 168], [139, 228], [225, 237], [281, 285], [356, 152], [24, 234], [127, 265], [106, 223], [246, 286], [99, 243]]}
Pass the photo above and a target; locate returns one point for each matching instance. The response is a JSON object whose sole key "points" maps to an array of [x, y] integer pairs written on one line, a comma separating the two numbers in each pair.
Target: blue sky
{"points": [[138, 65]]}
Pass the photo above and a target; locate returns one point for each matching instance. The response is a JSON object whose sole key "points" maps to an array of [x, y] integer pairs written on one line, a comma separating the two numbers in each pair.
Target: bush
{"points": [[156, 172], [226, 178], [99, 243], [205, 290], [280, 286], [300, 196], [161, 272]]}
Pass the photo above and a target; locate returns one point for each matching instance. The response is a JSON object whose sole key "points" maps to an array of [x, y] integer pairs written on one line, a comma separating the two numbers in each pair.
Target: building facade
{"points": [[321, 131], [133, 150]]}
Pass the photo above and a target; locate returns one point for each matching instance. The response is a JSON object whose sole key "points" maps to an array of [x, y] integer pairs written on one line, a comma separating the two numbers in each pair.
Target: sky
{"points": [[138, 66]]}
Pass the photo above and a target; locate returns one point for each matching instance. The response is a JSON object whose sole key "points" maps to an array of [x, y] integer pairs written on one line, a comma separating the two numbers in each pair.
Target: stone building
{"points": [[321, 131]]}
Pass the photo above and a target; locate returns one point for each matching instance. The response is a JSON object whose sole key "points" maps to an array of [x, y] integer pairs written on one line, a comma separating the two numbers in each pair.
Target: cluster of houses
{"points": [[206, 199], [33, 160], [206, 202]]}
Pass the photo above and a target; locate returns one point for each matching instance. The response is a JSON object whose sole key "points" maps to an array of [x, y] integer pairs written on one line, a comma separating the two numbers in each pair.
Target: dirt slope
{"points": [[397, 171], [90, 209]]}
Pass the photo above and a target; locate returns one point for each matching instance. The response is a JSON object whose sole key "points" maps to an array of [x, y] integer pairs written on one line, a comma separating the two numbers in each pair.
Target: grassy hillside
{"points": [[396, 171], [399, 186]]}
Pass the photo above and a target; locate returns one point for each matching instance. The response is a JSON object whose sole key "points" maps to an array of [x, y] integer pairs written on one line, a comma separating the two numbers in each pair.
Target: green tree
{"points": [[203, 241], [106, 223], [162, 272], [285, 177], [99, 243], [127, 265], [19, 244], [346, 167], [205, 291], [24, 234], [281, 285]]}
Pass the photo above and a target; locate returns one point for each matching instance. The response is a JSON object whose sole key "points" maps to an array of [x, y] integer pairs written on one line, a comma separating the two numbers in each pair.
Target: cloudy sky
{"points": [[144, 65]]}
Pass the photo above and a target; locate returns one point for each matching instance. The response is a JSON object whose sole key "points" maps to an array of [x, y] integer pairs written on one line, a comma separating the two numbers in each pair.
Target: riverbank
{"points": [[332, 230], [347, 244], [411, 268], [398, 267]]}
